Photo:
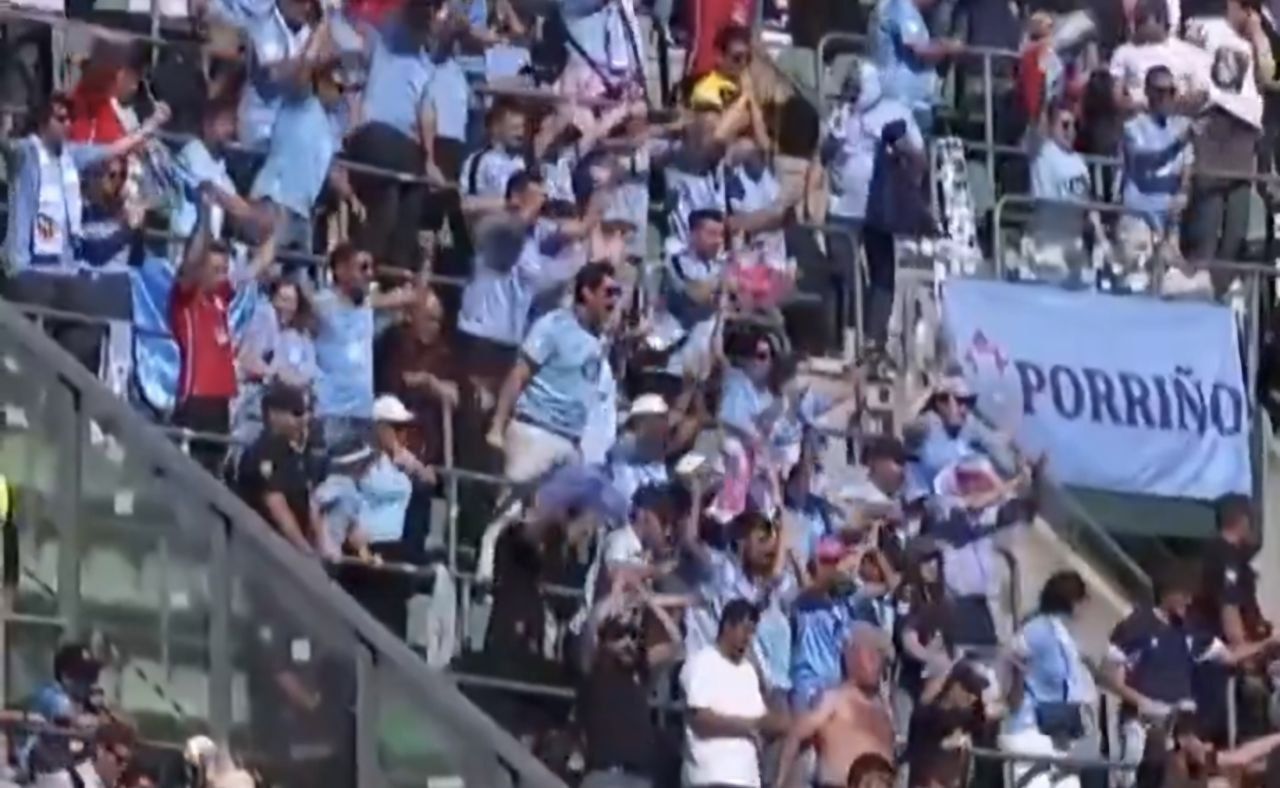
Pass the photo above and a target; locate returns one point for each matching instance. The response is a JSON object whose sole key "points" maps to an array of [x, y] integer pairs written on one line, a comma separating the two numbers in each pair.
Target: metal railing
{"points": [[240, 550]]}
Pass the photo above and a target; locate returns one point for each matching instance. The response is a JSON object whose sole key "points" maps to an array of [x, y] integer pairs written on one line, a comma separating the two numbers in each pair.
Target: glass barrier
{"points": [[209, 623]]}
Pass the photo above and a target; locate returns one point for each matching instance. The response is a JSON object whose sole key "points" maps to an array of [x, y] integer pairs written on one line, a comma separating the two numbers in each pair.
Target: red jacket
{"points": [[93, 117]]}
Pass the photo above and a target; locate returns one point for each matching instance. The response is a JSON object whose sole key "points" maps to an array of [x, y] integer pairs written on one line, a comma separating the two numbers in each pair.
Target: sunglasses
{"points": [[1067, 125], [1162, 90], [613, 291]]}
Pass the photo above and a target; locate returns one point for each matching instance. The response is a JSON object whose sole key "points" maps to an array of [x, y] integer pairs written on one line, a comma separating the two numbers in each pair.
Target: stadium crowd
{"points": [[659, 448]]}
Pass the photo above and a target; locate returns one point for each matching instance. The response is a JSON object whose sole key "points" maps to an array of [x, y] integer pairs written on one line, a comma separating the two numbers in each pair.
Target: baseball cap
{"points": [[390, 409], [286, 398], [648, 405]]}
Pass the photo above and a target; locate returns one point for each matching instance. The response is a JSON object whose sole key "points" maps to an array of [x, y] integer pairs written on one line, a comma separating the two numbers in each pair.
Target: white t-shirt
{"points": [[621, 546], [712, 682], [1131, 62], [1227, 68]]}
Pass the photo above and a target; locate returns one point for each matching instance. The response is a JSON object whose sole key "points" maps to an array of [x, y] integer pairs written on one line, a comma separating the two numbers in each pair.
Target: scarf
{"points": [[58, 191]]}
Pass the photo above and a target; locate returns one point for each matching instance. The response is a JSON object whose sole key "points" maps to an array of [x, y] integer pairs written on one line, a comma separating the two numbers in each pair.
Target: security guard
{"points": [[273, 478], [1227, 607]]}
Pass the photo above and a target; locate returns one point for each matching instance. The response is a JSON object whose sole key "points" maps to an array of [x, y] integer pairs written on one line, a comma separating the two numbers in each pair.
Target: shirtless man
{"points": [[849, 721]]}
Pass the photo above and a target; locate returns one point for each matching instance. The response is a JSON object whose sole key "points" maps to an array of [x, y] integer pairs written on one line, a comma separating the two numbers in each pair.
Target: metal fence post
{"points": [[220, 668], [366, 714], [988, 120], [450, 491], [70, 508]]}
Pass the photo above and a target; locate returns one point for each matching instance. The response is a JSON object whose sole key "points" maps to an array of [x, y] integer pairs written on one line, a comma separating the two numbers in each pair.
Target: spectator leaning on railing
{"points": [[273, 477], [45, 222]]}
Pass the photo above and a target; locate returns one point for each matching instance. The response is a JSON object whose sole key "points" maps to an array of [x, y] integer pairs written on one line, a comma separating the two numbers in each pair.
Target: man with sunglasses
{"points": [[45, 227], [950, 432], [543, 406], [344, 342], [1156, 152], [1059, 177], [304, 141]]}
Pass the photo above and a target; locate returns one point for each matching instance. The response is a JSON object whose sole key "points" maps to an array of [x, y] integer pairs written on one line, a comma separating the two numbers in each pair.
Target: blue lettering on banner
{"points": [[1129, 394], [1124, 398]]}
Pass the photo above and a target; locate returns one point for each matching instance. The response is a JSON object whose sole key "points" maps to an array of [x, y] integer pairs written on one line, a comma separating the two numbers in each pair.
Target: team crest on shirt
{"points": [[591, 368], [265, 469], [1231, 575]]}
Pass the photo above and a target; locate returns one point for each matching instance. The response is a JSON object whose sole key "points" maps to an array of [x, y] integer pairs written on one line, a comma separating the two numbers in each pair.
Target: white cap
{"points": [[648, 405], [389, 408]]}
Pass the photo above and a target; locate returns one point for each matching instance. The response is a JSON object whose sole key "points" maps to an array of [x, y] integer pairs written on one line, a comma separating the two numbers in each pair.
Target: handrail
{"points": [[203, 491], [859, 267], [1239, 266]]}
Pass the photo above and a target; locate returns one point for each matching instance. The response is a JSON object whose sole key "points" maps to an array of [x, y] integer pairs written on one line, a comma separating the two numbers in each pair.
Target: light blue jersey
{"points": [[567, 358]]}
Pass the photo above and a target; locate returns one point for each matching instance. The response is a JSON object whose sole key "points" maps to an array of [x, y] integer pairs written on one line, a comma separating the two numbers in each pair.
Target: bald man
{"points": [[850, 720]]}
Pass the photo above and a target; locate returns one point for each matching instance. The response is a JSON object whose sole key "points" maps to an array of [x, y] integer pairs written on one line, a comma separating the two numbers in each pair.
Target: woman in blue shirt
{"points": [[1053, 698], [278, 345], [385, 485]]}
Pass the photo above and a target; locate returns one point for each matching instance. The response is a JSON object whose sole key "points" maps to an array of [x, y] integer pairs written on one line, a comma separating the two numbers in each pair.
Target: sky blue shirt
{"points": [[384, 496], [567, 359], [854, 135], [630, 470], [24, 201], [447, 94], [1154, 156], [270, 42], [193, 166], [1059, 175], [941, 448], [1053, 673], [820, 626], [303, 143], [902, 75], [344, 355], [743, 403], [604, 37], [399, 70], [339, 501], [497, 301], [817, 517]]}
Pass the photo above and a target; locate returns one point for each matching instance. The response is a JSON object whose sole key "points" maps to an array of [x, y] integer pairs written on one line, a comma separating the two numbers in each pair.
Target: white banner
{"points": [[1123, 393]]}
